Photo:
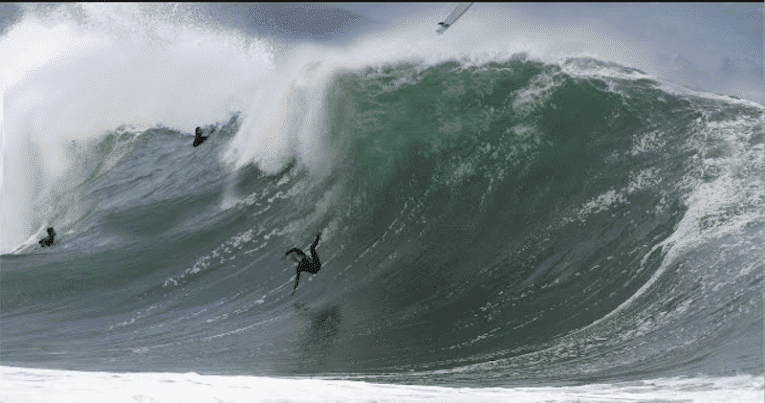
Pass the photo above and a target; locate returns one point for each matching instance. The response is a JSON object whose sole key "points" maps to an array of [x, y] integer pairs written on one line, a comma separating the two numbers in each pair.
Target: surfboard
{"points": [[453, 17]]}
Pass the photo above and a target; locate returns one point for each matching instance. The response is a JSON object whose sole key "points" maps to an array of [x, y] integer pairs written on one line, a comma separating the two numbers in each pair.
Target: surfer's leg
{"points": [[297, 280], [315, 264]]}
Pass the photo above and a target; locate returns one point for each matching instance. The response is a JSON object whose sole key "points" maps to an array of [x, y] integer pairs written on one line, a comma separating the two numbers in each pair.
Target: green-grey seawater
{"points": [[508, 222]]}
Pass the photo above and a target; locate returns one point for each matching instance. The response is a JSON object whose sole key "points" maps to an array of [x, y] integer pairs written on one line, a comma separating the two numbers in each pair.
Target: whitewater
{"points": [[505, 216]]}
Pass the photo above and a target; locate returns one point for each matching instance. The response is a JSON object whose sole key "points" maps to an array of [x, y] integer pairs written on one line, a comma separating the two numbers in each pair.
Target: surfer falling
{"points": [[305, 263]]}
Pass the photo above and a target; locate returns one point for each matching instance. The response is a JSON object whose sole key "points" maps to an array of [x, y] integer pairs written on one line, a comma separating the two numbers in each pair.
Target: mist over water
{"points": [[77, 71]]}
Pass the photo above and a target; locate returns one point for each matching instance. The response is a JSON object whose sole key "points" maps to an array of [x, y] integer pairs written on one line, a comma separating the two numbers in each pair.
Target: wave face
{"points": [[511, 221]]}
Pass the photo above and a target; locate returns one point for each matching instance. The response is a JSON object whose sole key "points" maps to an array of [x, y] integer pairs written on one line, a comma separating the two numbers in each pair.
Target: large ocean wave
{"points": [[486, 220]]}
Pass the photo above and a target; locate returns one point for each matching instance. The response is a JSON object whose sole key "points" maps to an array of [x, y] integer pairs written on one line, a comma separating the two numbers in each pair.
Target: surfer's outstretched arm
{"points": [[316, 241], [296, 250]]}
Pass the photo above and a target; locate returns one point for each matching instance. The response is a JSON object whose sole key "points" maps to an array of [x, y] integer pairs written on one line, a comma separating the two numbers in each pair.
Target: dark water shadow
{"points": [[318, 343]]}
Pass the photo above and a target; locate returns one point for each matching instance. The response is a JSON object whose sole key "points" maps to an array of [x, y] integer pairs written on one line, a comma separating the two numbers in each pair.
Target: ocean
{"points": [[494, 228]]}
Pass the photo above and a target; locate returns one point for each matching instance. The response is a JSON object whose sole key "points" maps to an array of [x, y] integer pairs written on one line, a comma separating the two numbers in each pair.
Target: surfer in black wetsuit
{"points": [[48, 240], [198, 138], [305, 263]]}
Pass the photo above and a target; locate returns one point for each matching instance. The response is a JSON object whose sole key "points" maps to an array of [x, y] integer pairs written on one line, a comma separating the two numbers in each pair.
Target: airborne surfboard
{"points": [[454, 16]]}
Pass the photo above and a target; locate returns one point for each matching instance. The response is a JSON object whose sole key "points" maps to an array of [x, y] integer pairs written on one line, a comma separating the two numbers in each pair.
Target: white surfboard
{"points": [[454, 16]]}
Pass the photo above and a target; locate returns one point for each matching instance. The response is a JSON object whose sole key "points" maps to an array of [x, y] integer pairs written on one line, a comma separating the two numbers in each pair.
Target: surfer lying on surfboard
{"points": [[305, 263]]}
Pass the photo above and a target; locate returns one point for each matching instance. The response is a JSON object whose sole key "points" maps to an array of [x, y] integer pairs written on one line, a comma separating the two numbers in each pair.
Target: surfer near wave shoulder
{"points": [[198, 138], [305, 263], [48, 240]]}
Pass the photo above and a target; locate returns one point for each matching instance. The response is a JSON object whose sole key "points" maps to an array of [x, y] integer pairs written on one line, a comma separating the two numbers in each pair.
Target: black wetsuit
{"points": [[48, 240], [307, 264], [198, 138]]}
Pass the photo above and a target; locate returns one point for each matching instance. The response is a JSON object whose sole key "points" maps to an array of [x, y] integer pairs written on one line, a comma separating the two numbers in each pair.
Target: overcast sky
{"points": [[716, 47]]}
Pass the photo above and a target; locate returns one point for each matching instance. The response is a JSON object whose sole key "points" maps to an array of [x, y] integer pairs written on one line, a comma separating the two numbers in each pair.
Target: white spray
{"points": [[70, 72], [76, 71]]}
